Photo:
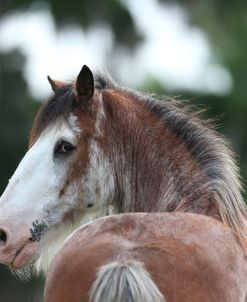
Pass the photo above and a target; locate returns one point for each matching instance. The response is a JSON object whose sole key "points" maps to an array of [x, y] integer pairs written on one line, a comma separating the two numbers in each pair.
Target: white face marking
{"points": [[35, 184], [37, 175], [74, 124]]}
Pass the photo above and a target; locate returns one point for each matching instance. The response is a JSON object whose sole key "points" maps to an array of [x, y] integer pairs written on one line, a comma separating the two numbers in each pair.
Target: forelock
{"points": [[57, 108]]}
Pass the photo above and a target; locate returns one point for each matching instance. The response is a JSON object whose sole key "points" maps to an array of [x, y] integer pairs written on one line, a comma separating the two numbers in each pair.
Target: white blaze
{"points": [[36, 182]]}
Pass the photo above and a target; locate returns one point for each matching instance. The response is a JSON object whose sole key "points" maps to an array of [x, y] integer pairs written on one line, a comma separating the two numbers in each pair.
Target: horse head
{"points": [[56, 179]]}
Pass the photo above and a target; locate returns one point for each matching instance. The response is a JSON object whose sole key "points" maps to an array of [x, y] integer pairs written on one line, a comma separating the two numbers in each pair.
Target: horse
{"points": [[96, 149], [149, 257]]}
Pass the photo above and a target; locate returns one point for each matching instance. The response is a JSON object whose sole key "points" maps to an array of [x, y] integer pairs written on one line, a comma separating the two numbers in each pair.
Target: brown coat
{"points": [[190, 257]]}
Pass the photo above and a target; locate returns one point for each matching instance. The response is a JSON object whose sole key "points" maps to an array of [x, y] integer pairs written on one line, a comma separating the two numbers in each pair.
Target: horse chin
{"points": [[24, 273], [26, 256]]}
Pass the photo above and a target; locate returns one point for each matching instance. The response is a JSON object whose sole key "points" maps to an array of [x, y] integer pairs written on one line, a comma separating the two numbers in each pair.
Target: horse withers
{"points": [[95, 145], [150, 257]]}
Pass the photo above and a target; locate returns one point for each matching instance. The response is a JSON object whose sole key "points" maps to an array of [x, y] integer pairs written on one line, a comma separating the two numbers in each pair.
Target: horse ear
{"points": [[55, 84], [84, 85]]}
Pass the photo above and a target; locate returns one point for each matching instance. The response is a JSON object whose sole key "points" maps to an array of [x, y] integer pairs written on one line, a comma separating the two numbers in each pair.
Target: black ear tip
{"points": [[85, 69], [85, 84], [85, 75]]}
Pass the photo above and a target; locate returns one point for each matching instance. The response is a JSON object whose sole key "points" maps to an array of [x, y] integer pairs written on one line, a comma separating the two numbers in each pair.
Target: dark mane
{"points": [[57, 107], [211, 151], [105, 81], [207, 146], [202, 141]]}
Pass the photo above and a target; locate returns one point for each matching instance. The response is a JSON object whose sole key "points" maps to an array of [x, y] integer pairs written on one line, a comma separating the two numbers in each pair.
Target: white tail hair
{"points": [[124, 281]]}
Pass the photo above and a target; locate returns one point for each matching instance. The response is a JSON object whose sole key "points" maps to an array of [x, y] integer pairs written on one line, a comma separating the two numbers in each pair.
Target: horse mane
{"points": [[209, 149], [213, 153]]}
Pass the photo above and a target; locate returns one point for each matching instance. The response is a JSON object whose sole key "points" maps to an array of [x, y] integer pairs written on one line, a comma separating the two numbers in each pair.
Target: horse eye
{"points": [[64, 148]]}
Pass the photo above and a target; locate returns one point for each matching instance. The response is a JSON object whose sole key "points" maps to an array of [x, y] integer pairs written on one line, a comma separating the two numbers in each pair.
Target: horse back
{"points": [[189, 257]]}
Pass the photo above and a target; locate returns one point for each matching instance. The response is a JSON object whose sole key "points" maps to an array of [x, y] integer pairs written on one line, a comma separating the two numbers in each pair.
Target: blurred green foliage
{"points": [[225, 24], [17, 111]]}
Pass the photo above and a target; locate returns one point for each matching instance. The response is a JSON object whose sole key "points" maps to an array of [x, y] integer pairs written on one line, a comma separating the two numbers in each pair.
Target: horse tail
{"points": [[123, 281]]}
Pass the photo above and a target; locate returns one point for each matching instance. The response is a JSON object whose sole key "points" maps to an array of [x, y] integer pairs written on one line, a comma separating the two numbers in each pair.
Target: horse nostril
{"points": [[3, 236]]}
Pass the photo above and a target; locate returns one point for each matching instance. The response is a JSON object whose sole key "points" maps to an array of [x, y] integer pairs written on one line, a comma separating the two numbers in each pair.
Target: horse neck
{"points": [[154, 169]]}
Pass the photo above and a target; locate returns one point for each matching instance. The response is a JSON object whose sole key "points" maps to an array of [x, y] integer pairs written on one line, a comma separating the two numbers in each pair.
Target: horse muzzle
{"points": [[17, 253]]}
